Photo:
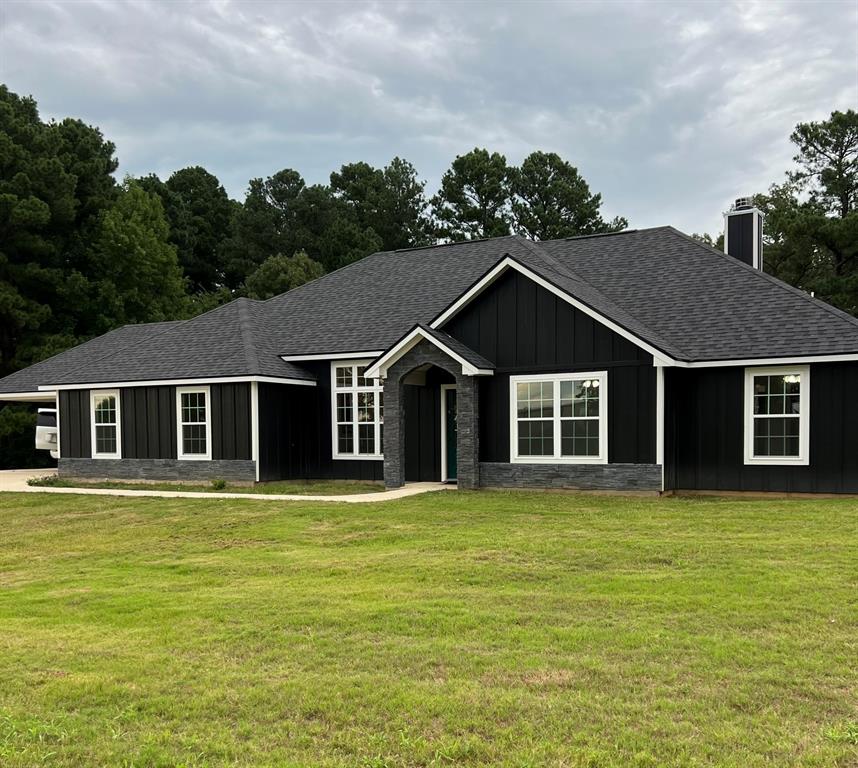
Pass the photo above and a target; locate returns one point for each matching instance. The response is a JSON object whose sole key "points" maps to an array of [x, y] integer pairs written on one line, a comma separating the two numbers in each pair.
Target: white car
{"points": [[47, 433]]}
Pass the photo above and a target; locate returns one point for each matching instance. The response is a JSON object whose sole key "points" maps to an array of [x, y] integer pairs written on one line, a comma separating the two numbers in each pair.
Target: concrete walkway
{"points": [[15, 480]]}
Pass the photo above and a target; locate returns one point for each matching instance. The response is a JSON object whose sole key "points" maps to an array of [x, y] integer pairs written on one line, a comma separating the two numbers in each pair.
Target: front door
{"points": [[448, 447]]}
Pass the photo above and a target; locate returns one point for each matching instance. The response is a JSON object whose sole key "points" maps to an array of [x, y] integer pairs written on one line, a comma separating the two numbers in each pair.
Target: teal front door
{"points": [[449, 447]]}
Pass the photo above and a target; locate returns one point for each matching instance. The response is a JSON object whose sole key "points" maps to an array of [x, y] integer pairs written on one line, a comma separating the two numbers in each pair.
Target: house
{"points": [[642, 360]]}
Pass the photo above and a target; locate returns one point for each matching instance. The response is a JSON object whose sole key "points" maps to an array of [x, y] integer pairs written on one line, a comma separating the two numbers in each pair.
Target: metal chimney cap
{"points": [[743, 203]]}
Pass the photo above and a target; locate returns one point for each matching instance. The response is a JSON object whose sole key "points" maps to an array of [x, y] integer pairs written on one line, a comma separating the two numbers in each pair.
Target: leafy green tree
{"points": [[828, 161], [263, 226], [38, 213], [474, 198], [811, 225], [137, 277], [199, 213], [279, 273], [63, 243], [281, 214], [390, 201], [551, 200]]}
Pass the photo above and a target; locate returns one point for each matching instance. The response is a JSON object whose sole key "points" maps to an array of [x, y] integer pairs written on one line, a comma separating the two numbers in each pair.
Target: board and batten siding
{"points": [[295, 433], [148, 422], [525, 329], [704, 434]]}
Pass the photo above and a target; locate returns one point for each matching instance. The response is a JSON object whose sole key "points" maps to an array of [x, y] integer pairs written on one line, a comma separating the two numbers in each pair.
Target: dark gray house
{"points": [[642, 360]]}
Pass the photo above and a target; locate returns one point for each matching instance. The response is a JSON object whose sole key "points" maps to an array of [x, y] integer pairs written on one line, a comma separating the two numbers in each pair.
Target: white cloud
{"points": [[669, 110]]}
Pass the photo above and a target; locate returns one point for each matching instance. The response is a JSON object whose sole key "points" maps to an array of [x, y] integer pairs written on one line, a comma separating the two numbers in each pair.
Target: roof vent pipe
{"points": [[743, 232]]}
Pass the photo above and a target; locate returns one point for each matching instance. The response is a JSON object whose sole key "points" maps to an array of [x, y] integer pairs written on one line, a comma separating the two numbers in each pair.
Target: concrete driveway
{"points": [[15, 480]]}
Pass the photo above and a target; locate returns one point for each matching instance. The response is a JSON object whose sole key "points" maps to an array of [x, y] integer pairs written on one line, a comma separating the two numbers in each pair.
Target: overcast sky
{"points": [[669, 110]]}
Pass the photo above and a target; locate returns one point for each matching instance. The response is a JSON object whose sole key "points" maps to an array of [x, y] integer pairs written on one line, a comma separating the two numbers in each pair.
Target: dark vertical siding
{"points": [[423, 428], [230, 421], [704, 438], [525, 329], [74, 424], [287, 437], [295, 433], [740, 237], [148, 422]]}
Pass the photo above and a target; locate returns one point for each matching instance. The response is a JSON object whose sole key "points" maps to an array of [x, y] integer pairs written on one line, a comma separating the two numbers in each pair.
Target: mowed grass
{"points": [[447, 629], [300, 487]]}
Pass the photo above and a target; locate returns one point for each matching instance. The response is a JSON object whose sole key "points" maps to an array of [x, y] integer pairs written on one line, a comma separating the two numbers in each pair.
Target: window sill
{"points": [[194, 458], [106, 456], [561, 460], [780, 461], [360, 457]]}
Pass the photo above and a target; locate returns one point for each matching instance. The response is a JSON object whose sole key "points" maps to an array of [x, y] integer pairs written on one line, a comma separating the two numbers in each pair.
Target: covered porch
{"points": [[431, 403]]}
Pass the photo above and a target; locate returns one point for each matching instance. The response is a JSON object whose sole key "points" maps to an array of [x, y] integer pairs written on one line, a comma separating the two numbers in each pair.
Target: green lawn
{"points": [[446, 629], [301, 487]]}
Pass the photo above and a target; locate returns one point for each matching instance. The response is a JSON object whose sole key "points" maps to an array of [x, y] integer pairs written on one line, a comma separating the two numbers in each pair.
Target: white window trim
{"points": [[92, 395], [179, 452], [354, 389], [602, 458], [803, 458]]}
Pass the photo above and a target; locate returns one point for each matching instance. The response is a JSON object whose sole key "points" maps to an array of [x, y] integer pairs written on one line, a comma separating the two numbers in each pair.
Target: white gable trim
{"points": [[182, 382], [380, 367], [659, 357]]}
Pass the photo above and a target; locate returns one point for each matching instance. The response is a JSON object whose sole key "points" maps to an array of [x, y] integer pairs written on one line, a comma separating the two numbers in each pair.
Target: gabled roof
{"points": [[681, 297], [473, 364], [368, 305], [687, 302], [708, 305]]}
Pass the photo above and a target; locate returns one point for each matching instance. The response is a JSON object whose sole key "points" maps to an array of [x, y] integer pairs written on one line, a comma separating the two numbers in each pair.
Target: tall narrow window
{"points": [[777, 415], [194, 422], [358, 412], [105, 431], [559, 418]]}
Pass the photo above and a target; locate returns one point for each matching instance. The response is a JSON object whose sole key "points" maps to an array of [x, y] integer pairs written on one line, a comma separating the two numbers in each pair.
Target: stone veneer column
{"points": [[468, 431], [394, 433], [467, 400]]}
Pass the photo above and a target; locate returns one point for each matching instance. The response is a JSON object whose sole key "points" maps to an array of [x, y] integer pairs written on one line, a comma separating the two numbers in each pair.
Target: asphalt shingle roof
{"points": [[29, 379], [231, 340], [680, 296], [462, 350], [705, 304]]}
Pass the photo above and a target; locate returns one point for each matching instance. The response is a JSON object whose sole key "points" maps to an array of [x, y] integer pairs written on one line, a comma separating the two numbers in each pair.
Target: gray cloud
{"points": [[669, 109]]}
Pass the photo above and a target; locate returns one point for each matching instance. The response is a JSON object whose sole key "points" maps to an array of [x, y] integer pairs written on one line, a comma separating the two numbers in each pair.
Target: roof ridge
{"points": [[636, 231], [832, 310], [600, 234], [454, 242], [327, 274]]}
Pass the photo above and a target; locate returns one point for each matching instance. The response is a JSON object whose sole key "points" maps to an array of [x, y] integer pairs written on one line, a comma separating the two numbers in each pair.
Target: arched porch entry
{"points": [[429, 403], [416, 387]]}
